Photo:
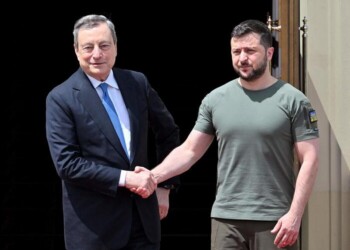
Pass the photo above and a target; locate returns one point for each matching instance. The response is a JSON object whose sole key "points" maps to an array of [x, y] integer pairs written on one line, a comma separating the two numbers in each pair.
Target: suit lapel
{"points": [[93, 105]]}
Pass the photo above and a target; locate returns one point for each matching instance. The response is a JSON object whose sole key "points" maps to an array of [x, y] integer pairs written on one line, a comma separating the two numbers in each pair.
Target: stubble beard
{"points": [[255, 73]]}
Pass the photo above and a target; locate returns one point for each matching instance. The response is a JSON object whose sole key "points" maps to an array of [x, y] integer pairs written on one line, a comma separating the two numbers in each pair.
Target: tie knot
{"points": [[104, 87]]}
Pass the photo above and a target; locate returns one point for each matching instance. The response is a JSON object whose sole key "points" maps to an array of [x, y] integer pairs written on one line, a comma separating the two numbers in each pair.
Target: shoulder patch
{"points": [[312, 116]]}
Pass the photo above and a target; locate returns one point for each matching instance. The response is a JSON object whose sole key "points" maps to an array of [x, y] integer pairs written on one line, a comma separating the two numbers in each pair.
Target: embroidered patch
{"points": [[312, 116]]}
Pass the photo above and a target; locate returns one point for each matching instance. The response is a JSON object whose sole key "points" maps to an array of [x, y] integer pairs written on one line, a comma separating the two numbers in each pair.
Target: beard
{"points": [[255, 73]]}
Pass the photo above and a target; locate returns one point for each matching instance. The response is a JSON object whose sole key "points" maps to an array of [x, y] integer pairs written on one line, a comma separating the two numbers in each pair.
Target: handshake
{"points": [[141, 181]]}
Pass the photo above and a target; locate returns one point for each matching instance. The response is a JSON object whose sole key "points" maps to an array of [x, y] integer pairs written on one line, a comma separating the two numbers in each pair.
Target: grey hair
{"points": [[91, 21]]}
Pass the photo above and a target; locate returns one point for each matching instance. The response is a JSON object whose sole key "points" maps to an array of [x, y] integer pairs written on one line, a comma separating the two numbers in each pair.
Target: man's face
{"points": [[249, 57], [96, 51]]}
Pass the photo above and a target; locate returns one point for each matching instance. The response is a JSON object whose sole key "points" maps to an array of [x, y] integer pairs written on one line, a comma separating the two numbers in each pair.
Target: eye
{"points": [[87, 49], [105, 46], [250, 51], [236, 52]]}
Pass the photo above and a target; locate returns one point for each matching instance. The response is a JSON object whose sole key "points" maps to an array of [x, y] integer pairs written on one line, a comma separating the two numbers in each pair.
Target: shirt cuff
{"points": [[122, 178]]}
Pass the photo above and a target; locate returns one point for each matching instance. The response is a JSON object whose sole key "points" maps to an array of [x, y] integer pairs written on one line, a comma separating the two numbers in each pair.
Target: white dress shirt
{"points": [[119, 105]]}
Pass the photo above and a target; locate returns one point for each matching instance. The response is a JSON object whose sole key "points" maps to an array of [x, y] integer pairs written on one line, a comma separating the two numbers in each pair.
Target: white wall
{"points": [[327, 222]]}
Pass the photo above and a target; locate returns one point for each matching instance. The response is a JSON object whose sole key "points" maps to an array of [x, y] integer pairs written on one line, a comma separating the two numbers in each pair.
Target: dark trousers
{"points": [[244, 235], [138, 239]]}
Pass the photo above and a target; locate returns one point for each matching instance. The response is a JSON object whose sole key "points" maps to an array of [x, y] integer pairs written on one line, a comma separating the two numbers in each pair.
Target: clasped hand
{"points": [[141, 181]]}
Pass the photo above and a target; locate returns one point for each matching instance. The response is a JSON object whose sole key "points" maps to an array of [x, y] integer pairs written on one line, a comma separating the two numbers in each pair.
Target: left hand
{"points": [[163, 201], [287, 230]]}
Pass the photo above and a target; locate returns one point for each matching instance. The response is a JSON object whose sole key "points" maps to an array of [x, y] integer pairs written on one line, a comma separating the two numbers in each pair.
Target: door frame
{"points": [[287, 13]]}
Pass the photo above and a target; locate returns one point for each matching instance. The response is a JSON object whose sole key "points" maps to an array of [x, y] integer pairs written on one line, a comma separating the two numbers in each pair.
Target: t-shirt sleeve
{"points": [[304, 123], [204, 119]]}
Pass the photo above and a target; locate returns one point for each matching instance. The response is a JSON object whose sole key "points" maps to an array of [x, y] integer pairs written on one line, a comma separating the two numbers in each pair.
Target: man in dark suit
{"points": [[100, 210]]}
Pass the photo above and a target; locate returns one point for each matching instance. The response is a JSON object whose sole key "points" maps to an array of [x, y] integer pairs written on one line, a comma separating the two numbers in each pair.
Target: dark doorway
{"points": [[185, 53]]}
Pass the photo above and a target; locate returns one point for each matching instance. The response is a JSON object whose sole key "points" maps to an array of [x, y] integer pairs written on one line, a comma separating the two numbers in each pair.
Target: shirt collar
{"points": [[110, 81]]}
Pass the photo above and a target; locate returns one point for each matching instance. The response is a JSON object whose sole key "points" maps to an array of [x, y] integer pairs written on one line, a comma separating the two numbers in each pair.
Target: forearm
{"points": [[304, 185], [177, 162], [184, 156]]}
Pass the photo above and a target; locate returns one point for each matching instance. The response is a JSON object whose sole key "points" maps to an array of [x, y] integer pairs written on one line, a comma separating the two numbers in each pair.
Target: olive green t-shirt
{"points": [[255, 131]]}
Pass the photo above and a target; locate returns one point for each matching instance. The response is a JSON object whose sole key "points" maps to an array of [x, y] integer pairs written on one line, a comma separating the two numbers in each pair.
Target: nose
{"points": [[97, 52], [243, 56]]}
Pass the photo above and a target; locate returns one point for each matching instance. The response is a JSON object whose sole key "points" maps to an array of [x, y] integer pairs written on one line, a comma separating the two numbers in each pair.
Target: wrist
{"points": [[168, 186]]}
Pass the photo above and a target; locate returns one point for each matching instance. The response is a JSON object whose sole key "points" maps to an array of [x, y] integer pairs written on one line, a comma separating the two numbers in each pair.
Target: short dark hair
{"points": [[254, 26]]}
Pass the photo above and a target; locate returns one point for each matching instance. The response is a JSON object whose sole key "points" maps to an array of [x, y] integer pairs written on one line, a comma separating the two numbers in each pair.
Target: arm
{"points": [[287, 228], [180, 159], [165, 130], [163, 201], [184, 156], [81, 153]]}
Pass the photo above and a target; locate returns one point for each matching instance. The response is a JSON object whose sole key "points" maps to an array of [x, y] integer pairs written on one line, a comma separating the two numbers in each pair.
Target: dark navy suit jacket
{"points": [[88, 157]]}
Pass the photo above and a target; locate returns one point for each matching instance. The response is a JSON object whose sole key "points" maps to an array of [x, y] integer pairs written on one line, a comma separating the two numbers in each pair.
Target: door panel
{"points": [[287, 41]]}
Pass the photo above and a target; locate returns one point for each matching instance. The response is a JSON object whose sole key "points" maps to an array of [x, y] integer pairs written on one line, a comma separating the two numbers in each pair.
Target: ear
{"points": [[75, 49], [269, 52]]}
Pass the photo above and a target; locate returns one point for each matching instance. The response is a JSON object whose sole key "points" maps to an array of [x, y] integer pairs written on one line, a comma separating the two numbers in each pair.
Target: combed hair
{"points": [[91, 21], [254, 26]]}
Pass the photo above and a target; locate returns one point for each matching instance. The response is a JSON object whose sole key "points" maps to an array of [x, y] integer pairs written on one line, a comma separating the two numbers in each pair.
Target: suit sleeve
{"points": [[73, 162], [166, 132]]}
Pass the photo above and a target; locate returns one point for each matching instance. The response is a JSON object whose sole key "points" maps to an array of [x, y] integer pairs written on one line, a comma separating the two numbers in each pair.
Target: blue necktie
{"points": [[107, 102]]}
